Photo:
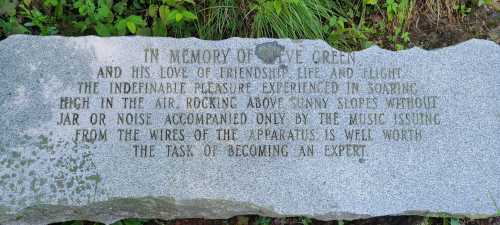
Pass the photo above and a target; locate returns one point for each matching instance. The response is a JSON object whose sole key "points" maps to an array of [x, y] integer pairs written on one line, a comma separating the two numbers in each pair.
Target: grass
{"points": [[288, 19], [219, 19]]}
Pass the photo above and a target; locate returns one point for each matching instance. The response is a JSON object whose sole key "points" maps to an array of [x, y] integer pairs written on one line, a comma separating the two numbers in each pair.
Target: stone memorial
{"points": [[103, 129]]}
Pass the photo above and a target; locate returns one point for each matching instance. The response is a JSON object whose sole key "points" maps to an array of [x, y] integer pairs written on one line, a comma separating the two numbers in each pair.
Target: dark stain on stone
{"points": [[268, 52]]}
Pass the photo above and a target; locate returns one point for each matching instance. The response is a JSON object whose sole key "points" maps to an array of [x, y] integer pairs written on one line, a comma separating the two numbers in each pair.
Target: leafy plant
{"points": [[99, 17], [454, 221], [446, 221], [345, 24], [462, 9], [305, 221], [130, 222], [8, 7], [399, 14], [12, 26], [392, 9], [484, 2], [171, 14], [38, 20], [263, 221], [349, 30]]}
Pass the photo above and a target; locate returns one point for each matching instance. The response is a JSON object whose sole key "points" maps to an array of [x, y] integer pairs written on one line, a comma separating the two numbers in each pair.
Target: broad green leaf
{"points": [[103, 30], [108, 3], [170, 2], [120, 7], [189, 16], [153, 10], [137, 20], [8, 7], [306, 221], [172, 16], [277, 6], [50, 2], [131, 27], [121, 27], [341, 23], [405, 36], [12, 26], [164, 13], [370, 2], [263, 221], [103, 12], [333, 21], [178, 17], [366, 44], [59, 8]]}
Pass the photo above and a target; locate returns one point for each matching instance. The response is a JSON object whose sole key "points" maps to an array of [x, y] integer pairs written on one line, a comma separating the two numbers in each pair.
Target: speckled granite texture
{"points": [[46, 177]]}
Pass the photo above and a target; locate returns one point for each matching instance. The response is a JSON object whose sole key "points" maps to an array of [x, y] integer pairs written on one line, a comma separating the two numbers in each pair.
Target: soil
{"points": [[481, 23]]}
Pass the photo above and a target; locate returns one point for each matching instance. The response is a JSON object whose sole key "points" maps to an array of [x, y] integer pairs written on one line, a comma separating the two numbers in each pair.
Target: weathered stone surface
{"points": [[445, 159]]}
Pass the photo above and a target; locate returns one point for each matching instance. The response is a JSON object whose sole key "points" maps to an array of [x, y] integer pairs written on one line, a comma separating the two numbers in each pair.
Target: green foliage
{"points": [[221, 19], [398, 14], [484, 2], [462, 9], [12, 26], [42, 23], [101, 17], [130, 222], [296, 19], [426, 221], [261, 220], [73, 223], [348, 28], [446, 221], [392, 9], [454, 221], [8, 7], [451, 220], [370, 2], [345, 24], [305, 221], [174, 15]]}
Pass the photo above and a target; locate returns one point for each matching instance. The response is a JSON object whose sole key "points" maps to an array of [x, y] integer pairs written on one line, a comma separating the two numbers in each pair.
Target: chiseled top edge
{"points": [[469, 42]]}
